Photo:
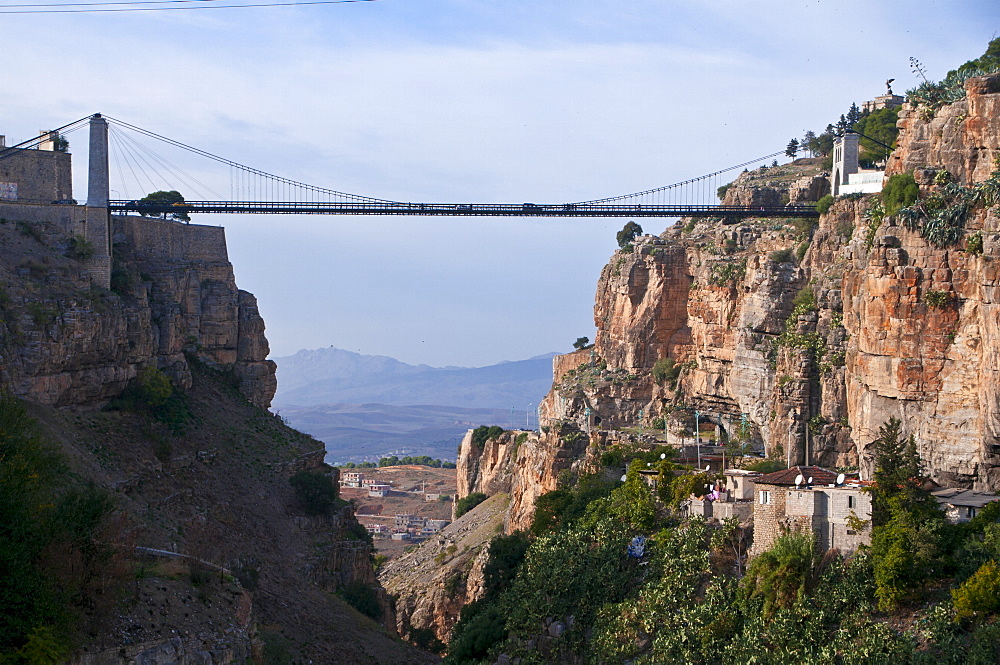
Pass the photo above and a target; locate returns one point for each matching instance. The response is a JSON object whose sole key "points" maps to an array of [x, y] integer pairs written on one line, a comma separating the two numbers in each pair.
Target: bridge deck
{"points": [[464, 209]]}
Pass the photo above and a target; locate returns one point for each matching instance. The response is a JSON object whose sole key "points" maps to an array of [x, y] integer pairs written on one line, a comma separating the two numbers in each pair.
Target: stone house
{"points": [[735, 499], [962, 505], [822, 507]]}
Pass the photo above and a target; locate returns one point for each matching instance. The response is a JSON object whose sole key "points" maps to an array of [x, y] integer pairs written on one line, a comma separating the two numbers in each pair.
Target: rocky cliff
{"points": [[432, 583], [173, 296], [223, 563], [806, 335]]}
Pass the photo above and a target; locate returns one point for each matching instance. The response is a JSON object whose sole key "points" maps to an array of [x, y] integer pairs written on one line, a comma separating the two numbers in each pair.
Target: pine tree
{"points": [[809, 142], [853, 115], [793, 148]]}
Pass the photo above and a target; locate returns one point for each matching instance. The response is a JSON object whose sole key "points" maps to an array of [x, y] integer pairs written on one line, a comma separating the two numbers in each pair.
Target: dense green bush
{"points": [[564, 506], [468, 502], [417, 460], [823, 205], [784, 574], [424, 638], [727, 273], [152, 394], [782, 256], [315, 493], [900, 191], [80, 248], [766, 466], [667, 371], [61, 564], [937, 299], [483, 433], [980, 594], [974, 244]]}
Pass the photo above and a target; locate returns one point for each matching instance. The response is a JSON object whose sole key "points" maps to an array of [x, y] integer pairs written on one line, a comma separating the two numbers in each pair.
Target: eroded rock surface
{"points": [[174, 296]]}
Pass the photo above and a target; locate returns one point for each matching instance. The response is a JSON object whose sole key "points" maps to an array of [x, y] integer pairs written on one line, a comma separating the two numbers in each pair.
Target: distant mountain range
{"points": [[335, 376], [365, 407]]}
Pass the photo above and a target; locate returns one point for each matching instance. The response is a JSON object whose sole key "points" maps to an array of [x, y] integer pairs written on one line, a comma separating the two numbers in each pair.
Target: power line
{"points": [[52, 8]]}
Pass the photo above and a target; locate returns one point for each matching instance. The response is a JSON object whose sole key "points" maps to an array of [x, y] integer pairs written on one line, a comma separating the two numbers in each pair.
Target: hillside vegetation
{"points": [[609, 573], [269, 560]]}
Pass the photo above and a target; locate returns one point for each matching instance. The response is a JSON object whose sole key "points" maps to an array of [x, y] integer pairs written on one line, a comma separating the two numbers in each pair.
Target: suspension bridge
{"points": [[253, 191]]}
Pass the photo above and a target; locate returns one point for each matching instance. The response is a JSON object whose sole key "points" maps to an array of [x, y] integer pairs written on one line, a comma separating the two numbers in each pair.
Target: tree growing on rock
{"points": [[628, 234]]}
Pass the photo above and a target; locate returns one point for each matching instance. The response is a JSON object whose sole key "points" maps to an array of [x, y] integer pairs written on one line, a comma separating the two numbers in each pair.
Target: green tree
{"points": [[898, 476], [808, 142], [853, 115], [484, 433], [987, 62], [879, 125], [628, 234], [793, 148], [581, 343], [173, 198], [784, 574], [908, 529]]}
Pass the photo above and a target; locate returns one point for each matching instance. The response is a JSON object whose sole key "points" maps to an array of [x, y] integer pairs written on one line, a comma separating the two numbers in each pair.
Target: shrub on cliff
{"points": [[62, 559], [900, 191], [362, 597], [666, 370], [315, 493], [484, 433], [468, 502], [823, 205]]}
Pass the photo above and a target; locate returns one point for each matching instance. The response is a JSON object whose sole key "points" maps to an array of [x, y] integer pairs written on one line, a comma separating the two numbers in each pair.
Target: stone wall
{"points": [[823, 512], [41, 176], [154, 239]]}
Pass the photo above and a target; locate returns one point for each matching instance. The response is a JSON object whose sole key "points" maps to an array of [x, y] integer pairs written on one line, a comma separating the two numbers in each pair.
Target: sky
{"points": [[545, 101]]}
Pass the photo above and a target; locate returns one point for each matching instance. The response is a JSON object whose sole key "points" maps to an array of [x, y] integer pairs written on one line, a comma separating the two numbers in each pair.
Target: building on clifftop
{"points": [[818, 504]]}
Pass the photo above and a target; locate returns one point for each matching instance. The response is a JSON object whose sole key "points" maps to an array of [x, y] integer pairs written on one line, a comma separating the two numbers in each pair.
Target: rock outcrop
{"points": [[432, 583], [173, 297], [810, 334]]}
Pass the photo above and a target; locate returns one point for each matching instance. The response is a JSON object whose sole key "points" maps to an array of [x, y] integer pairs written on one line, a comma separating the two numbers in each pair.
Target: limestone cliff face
{"points": [[815, 335], [923, 319], [432, 583], [174, 296]]}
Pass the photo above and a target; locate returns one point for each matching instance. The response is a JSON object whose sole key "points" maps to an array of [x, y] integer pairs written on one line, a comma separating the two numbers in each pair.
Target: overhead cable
{"points": [[54, 8]]}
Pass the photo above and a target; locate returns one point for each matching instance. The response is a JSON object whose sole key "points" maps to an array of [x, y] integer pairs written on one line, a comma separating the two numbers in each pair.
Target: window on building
{"points": [[972, 512], [765, 497], [850, 502]]}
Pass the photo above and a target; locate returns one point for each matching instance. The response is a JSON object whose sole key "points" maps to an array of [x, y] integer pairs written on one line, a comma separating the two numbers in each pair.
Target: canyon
{"points": [[808, 337]]}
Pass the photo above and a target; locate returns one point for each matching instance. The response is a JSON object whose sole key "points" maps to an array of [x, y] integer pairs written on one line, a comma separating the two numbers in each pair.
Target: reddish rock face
{"points": [[899, 328]]}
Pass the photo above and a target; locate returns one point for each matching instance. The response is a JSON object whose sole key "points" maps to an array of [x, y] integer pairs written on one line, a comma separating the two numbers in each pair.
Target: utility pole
{"points": [[697, 436]]}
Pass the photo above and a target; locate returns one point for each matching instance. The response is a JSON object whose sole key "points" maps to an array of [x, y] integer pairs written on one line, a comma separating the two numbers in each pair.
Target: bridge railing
{"points": [[461, 209]]}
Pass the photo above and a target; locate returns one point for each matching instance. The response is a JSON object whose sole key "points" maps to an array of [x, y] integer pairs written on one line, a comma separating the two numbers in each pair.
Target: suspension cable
{"points": [[691, 181], [248, 169]]}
